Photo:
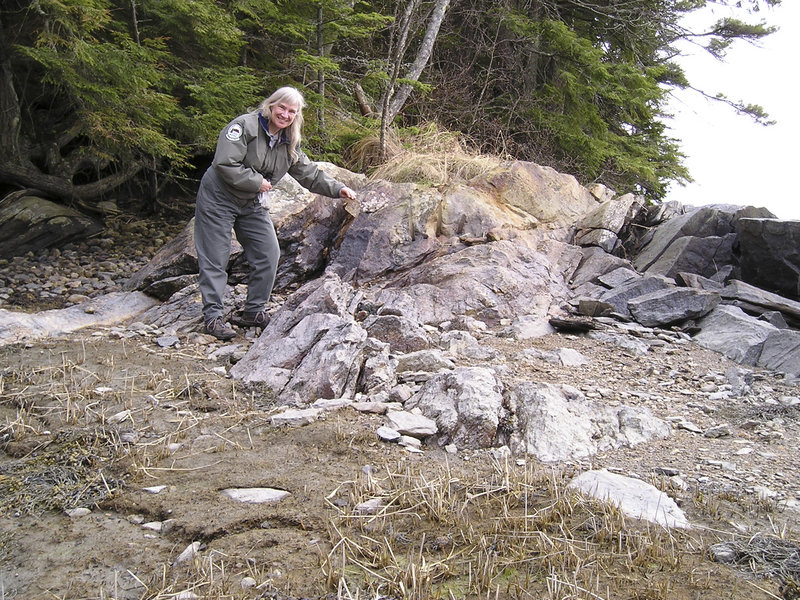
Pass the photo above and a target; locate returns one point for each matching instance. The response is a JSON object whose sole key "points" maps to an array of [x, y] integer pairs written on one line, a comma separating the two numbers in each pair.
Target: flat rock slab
{"points": [[407, 423], [296, 417], [255, 495], [103, 311], [634, 497]]}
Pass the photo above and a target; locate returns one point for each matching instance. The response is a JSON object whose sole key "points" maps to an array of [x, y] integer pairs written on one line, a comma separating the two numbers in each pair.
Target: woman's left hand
{"points": [[347, 193]]}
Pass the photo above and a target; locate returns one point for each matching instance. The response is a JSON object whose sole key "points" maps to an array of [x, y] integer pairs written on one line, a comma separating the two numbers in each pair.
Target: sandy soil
{"points": [[94, 420]]}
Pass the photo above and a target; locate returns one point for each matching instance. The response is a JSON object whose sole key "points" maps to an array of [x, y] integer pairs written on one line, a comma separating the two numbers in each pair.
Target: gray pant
{"points": [[216, 213]]}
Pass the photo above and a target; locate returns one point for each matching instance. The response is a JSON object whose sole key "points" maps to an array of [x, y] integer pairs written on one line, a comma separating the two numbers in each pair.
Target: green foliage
{"points": [[577, 85]]}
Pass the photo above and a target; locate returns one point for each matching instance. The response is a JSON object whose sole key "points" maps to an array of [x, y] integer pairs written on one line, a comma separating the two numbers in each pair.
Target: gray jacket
{"points": [[243, 157]]}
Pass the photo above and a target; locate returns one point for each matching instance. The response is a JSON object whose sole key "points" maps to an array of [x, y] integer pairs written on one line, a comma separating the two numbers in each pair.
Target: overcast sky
{"points": [[732, 159]]}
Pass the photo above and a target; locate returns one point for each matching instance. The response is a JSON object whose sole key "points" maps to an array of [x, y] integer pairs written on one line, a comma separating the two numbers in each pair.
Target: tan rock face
{"points": [[551, 197]]}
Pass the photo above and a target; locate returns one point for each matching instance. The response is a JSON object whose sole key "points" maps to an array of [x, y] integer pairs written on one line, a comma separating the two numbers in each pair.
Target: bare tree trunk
{"points": [[397, 49], [25, 174], [321, 72], [393, 100], [135, 22], [423, 55], [10, 114], [361, 100]]}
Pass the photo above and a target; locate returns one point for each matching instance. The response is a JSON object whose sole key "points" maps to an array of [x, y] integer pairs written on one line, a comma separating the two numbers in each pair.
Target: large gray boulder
{"points": [[396, 234], [29, 223], [758, 302], [594, 263], [619, 296], [695, 254], [490, 281], [781, 352], [312, 347], [769, 254], [730, 331], [557, 422], [603, 225], [671, 305], [552, 198], [306, 237], [466, 403]]}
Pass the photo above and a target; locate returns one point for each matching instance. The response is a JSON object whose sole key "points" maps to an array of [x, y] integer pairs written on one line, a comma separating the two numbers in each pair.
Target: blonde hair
{"points": [[292, 96]]}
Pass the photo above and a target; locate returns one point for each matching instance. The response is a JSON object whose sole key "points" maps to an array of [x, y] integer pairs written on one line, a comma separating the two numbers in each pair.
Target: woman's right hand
{"points": [[265, 186]]}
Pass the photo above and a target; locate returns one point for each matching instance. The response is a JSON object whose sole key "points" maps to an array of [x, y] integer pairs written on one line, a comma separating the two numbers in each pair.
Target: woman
{"points": [[253, 152]]}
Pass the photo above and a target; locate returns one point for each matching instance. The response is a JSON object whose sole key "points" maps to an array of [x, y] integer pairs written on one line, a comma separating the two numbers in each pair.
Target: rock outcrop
{"points": [[29, 223], [385, 303]]}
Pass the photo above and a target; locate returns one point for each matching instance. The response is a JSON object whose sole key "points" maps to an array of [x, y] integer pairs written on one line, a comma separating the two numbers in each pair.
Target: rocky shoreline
{"points": [[60, 277]]}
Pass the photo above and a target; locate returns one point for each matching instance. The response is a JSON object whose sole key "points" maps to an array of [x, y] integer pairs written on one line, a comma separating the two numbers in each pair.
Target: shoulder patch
{"points": [[234, 132]]}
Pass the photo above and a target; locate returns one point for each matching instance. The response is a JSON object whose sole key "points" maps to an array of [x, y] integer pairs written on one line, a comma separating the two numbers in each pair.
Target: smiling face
{"points": [[282, 115]]}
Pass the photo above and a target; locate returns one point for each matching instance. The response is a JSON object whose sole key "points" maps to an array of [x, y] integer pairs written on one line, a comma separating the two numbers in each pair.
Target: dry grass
{"points": [[505, 531], [74, 430], [516, 534], [428, 156]]}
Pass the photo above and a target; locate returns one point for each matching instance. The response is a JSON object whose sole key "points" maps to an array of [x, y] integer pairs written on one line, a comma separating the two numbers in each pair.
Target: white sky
{"points": [[732, 159]]}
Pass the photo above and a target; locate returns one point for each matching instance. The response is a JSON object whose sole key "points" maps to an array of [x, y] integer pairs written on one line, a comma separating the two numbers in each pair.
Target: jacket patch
{"points": [[234, 132]]}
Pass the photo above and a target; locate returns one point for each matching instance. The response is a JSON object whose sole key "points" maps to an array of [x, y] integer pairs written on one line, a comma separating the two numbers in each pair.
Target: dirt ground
{"points": [[147, 438]]}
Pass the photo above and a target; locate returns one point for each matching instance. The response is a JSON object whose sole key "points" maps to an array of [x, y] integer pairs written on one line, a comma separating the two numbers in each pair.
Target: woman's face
{"points": [[282, 114]]}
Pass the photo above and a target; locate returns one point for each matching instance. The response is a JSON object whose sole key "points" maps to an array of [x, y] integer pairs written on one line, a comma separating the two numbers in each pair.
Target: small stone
{"points": [[155, 489], [689, 426], [666, 471], [248, 582], [408, 423], [153, 526], [370, 507], [255, 495], [167, 341], [718, 431], [724, 553], [387, 434], [188, 554], [119, 417], [408, 441], [451, 449], [295, 417], [764, 493], [331, 403], [75, 513]]}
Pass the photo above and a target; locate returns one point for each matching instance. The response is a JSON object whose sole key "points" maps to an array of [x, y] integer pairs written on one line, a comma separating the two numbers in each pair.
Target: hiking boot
{"points": [[256, 319], [217, 327]]}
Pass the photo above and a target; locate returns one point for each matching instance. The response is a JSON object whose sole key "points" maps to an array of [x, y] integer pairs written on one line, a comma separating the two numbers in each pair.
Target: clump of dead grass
{"points": [[514, 533], [75, 469], [427, 155], [76, 431], [765, 556]]}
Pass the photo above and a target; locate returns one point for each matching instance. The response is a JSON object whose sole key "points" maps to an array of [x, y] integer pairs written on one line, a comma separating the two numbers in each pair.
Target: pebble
{"points": [[718, 431], [248, 582], [189, 553]]}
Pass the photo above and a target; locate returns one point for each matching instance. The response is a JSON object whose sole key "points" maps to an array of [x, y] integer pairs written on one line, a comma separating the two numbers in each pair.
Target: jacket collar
{"points": [[284, 139]]}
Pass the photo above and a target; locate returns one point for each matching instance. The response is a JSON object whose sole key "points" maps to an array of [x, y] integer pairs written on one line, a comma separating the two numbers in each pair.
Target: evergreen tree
{"points": [[94, 93]]}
